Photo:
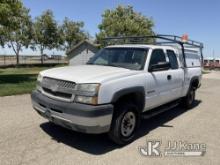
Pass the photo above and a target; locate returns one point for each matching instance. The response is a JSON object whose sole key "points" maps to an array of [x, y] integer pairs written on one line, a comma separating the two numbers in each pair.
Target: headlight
{"points": [[86, 99], [87, 93], [87, 87]]}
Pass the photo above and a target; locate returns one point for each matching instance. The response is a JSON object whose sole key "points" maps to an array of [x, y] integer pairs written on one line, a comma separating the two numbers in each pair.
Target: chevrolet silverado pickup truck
{"points": [[121, 84]]}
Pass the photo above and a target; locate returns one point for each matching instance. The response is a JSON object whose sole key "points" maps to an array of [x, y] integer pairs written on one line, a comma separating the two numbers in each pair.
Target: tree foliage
{"points": [[17, 30], [10, 10], [10, 16], [16, 26], [46, 32], [72, 33], [124, 21]]}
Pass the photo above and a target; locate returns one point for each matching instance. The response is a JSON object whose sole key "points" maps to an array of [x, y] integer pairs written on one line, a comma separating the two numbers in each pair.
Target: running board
{"points": [[150, 113]]}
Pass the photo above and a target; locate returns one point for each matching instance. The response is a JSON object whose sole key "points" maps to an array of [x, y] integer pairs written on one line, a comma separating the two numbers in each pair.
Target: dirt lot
{"points": [[26, 138]]}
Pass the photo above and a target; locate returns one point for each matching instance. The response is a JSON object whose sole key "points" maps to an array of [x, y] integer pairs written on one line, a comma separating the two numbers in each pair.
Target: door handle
{"points": [[169, 77]]}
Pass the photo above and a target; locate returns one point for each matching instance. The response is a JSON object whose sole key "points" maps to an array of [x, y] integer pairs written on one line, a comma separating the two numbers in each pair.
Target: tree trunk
{"points": [[17, 53], [16, 49], [42, 52], [17, 58]]}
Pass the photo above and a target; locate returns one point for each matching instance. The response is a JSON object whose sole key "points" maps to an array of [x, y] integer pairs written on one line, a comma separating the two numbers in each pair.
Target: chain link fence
{"points": [[10, 60]]}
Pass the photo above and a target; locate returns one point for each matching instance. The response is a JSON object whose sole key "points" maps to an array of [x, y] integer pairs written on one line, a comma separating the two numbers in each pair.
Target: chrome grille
{"points": [[58, 88], [59, 83]]}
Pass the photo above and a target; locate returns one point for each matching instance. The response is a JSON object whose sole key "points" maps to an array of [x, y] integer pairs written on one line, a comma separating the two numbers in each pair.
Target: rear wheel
{"points": [[189, 99], [124, 123]]}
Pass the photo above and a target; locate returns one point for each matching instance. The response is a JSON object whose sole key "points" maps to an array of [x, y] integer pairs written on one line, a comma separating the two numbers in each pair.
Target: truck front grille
{"points": [[59, 83], [58, 88], [58, 94]]}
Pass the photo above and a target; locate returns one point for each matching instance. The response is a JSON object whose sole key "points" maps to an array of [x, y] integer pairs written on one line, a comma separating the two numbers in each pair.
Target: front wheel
{"points": [[124, 123], [189, 99]]}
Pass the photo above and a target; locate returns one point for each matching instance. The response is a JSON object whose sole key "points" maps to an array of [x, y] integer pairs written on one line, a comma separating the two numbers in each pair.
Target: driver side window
{"points": [[157, 56]]}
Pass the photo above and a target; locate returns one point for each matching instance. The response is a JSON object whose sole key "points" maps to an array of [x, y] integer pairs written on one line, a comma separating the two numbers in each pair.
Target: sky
{"points": [[200, 19]]}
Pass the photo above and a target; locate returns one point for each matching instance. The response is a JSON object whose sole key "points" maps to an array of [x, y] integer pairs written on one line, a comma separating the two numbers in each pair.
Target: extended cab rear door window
{"points": [[172, 59], [157, 56]]}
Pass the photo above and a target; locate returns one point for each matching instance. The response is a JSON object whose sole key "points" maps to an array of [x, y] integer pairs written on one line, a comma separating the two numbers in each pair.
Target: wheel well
{"points": [[135, 97]]}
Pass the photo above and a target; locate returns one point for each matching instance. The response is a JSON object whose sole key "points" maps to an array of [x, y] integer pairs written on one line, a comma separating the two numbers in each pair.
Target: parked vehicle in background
{"points": [[211, 63], [120, 85]]}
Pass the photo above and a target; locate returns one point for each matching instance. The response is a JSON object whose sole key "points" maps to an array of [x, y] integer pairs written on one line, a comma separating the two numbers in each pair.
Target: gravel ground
{"points": [[26, 138]]}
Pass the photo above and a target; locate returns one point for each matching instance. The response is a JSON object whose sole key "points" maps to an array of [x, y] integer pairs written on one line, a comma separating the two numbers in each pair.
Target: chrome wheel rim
{"points": [[128, 124]]}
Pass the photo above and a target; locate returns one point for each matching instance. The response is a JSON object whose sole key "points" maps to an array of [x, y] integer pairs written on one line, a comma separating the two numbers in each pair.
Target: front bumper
{"points": [[75, 116]]}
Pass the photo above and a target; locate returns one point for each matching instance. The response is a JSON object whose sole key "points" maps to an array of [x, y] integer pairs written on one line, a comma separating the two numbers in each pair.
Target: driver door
{"points": [[158, 82]]}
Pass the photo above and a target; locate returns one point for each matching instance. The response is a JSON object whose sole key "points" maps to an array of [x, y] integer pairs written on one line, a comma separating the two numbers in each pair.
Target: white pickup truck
{"points": [[120, 85]]}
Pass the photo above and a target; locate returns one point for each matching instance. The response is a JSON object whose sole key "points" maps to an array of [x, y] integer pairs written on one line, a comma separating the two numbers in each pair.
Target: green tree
{"points": [[22, 35], [72, 33], [11, 12], [46, 32], [124, 21]]}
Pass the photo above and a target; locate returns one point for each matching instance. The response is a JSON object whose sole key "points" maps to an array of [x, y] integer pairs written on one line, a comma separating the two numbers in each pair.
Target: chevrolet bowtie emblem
{"points": [[54, 88]]}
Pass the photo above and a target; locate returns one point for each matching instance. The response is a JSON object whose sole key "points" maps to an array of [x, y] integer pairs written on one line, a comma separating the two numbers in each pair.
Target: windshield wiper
{"points": [[89, 63], [115, 65]]}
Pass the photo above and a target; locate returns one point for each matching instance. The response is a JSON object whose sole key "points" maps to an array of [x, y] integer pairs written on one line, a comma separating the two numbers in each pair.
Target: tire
{"points": [[189, 99], [125, 122]]}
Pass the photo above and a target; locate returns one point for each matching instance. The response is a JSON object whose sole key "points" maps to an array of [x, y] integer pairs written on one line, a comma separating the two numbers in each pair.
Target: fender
{"points": [[123, 92]]}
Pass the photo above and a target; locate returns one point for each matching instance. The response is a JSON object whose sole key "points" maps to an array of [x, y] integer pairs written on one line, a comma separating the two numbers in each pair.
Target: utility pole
{"points": [[213, 54]]}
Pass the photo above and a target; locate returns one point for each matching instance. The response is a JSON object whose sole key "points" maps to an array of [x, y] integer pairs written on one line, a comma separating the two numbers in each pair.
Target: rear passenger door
{"points": [[177, 75]]}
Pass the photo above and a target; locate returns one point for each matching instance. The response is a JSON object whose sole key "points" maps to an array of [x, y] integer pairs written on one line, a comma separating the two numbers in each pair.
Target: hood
{"points": [[88, 73]]}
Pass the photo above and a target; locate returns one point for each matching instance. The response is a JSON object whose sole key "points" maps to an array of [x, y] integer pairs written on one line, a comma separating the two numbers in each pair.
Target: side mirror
{"points": [[159, 67]]}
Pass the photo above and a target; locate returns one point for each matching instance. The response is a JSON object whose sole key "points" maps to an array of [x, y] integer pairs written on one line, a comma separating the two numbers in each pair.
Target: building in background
{"points": [[81, 53]]}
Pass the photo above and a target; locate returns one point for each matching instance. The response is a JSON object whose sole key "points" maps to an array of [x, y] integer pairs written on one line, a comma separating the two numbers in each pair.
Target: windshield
{"points": [[130, 58]]}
